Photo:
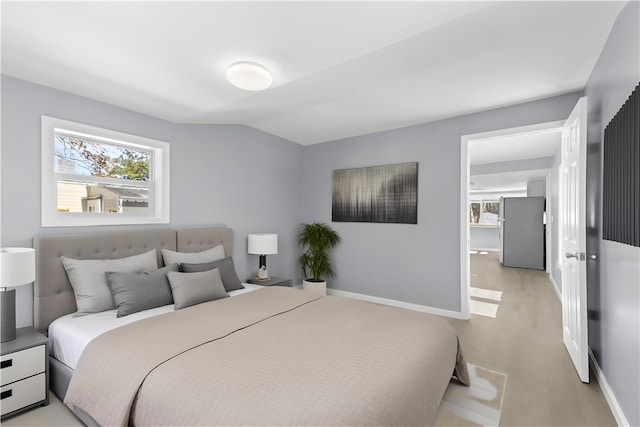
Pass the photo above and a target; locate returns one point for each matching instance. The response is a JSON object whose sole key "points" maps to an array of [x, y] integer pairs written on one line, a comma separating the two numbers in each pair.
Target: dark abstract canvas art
{"points": [[387, 194]]}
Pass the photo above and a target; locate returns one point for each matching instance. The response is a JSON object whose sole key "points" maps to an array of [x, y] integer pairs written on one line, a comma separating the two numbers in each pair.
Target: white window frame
{"points": [[159, 181]]}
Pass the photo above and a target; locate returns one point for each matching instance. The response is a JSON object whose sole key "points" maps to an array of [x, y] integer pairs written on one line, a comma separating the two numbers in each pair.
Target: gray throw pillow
{"points": [[194, 288], [213, 254], [134, 292], [89, 282], [227, 272]]}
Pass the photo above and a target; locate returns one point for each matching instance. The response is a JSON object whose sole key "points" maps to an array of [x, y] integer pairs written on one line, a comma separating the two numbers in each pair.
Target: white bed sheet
{"points": [[68, 335]]}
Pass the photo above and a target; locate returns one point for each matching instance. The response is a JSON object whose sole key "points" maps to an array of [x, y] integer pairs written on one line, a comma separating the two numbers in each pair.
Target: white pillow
{"points": [[214, 254], [89, 281]]}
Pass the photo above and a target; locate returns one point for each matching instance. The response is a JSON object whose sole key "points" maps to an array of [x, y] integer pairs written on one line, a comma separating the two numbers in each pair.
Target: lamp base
{"points": [[262, 268], [8, 315], [262, 274]]}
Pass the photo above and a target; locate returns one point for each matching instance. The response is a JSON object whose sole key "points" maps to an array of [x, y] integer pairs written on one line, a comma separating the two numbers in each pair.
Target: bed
{"points": [[265, 356]]}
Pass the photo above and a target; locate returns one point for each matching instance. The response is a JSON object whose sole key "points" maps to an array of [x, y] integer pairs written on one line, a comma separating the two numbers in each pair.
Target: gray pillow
{"points": [[89, 282], [194, 288], [213, 254], [227, 272], [134, 292]]}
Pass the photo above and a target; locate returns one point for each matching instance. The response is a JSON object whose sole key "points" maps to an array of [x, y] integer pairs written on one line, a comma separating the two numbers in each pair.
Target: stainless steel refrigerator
{"points": [[521, 232]]}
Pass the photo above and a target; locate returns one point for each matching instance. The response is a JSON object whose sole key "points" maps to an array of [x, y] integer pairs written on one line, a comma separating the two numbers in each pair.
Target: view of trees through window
{"points": [[484, 212], [119, 176], [82, 157]]}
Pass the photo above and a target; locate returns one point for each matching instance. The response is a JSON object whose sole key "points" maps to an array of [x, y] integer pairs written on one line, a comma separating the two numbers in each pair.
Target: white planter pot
{"points": [[317, 288]]}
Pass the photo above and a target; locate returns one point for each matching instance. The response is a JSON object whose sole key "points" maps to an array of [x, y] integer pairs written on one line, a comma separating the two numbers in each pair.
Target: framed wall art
{"points": [[383, 194]]}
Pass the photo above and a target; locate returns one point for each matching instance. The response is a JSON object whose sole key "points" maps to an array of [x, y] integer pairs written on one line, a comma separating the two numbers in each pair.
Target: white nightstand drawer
{"points": [[22, 364], [23, 393]]}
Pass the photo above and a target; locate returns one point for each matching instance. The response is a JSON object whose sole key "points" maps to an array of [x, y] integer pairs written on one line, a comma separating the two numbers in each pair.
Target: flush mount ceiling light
{"points": [[249, 76]]}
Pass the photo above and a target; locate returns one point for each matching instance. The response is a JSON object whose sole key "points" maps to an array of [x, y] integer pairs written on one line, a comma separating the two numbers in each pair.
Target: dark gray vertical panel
{"points": [[624, 172], [621, 174], [635, 143], [627, 128], [606, 185], [607, 196]]}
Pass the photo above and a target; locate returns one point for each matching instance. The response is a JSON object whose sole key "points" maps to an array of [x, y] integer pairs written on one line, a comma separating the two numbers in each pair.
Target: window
{"points": [[94, 176], [484, 212]]}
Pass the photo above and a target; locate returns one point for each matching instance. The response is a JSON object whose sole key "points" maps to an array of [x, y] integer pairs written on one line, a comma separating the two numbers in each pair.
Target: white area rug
{"points": [[480, 404]]}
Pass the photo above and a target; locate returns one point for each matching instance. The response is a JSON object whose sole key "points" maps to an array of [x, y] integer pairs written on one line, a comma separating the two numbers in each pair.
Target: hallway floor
{"points": [[524, 341]]}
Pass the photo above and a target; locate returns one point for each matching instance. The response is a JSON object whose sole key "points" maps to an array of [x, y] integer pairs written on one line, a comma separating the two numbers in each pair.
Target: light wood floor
{"points": [[525, 342]]}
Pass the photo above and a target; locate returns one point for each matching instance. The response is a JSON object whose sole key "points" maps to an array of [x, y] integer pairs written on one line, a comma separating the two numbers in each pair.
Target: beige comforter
{"points": [[275, 356]]}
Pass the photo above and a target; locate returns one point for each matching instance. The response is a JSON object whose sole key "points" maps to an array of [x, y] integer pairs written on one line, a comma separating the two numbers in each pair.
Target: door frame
{"points": [[465, 279]]}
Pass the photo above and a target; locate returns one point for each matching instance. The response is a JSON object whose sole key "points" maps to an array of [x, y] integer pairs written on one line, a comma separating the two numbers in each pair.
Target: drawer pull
{"points": [[6, 394], [6, 363]]}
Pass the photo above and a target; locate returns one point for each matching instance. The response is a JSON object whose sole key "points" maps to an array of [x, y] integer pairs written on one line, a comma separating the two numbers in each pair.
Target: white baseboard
{"points": [[555, 287], [394, 303], [485, 249], [608, 393]]}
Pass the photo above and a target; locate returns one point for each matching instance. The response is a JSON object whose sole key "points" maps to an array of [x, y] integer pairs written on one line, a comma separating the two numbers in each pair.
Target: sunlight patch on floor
{"points": [[486, 294], [482, 308]]}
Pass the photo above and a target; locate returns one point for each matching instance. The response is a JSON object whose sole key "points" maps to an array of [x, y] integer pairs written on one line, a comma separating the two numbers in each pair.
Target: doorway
{"points": [[571, 239], [505, 164]]}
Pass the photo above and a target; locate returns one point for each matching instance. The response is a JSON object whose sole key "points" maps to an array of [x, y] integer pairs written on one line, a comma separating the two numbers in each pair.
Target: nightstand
{"points": [[273, 281], [24, 372]]}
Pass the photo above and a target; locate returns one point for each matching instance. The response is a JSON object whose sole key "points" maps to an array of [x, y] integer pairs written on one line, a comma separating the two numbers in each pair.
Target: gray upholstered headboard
{"points": [[52, 293], [200, 239]]}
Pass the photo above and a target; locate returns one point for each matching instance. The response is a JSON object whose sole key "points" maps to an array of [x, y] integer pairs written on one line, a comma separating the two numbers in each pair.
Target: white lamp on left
{"points": [[263, 244], [17, 268]]}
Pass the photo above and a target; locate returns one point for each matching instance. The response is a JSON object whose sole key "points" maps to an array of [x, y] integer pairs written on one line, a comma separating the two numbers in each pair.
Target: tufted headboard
{"points": [[52, 293], [201, 239]]}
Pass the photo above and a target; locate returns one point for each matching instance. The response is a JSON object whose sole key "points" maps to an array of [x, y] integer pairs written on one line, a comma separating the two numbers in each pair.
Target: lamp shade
{"points": [[18, 266], [263, 244]]}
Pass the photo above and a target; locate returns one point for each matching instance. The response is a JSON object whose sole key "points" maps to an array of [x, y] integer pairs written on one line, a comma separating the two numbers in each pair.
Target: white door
{"points": [[572, 208]]}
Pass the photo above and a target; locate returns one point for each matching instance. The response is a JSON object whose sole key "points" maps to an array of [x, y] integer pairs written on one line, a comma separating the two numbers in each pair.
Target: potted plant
{"points": [[316, 240]]}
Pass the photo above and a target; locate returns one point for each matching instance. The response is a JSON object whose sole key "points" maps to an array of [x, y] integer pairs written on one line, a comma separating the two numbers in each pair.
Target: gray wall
{"points": [[484, 238], [413, 263], [216, 177], [613, 280], [536, 189]]}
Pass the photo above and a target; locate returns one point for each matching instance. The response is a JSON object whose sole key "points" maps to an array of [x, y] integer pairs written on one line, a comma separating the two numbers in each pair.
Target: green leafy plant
{"points": [[316, 240]]}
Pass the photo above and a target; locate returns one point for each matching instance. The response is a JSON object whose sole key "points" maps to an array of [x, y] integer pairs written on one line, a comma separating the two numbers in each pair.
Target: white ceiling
{"points": [[514, 147], [339, 68], [506, 181]]}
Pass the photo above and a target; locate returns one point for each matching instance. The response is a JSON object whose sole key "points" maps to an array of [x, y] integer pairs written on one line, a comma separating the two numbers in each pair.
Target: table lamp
{"points": [[263, 244], [17, 268]]}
